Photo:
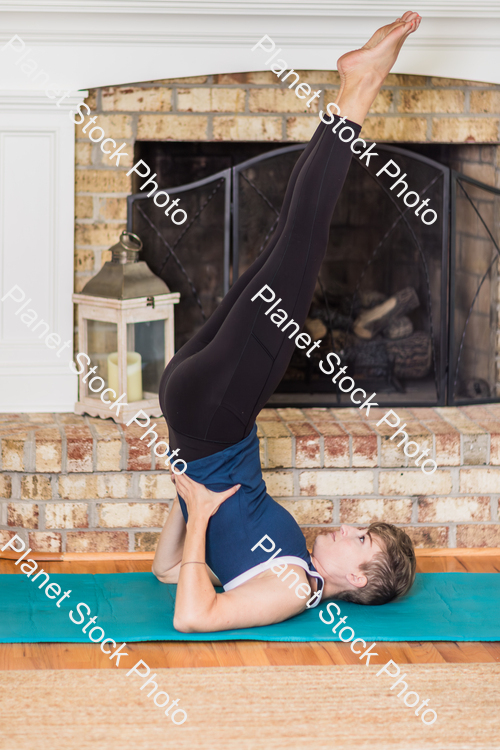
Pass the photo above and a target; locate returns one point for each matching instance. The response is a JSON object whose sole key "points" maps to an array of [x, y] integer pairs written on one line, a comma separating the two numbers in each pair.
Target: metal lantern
{"points": [[125, 336]]}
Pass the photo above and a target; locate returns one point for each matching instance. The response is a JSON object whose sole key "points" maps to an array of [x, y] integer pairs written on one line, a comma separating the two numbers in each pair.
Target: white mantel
{"points": [[103, 42]]}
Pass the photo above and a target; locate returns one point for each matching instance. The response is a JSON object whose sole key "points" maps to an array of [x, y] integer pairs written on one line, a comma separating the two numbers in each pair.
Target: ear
{"points": [[359, 581]]}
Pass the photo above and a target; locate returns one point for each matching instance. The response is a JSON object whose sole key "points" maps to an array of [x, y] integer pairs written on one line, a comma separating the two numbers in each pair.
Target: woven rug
{"points": [[250, 708]]}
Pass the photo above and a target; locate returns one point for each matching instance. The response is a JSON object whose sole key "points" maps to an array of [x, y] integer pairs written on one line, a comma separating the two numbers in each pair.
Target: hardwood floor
{"points": [[245, 653]]}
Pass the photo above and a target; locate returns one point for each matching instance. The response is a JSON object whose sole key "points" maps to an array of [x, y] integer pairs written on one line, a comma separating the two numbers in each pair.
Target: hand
{"points": [[200, 500]]}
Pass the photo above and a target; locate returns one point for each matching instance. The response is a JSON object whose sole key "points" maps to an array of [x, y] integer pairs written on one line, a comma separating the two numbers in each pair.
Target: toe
{"points": [[410, 27], [397, 36], [410, 16], [413, 25]]}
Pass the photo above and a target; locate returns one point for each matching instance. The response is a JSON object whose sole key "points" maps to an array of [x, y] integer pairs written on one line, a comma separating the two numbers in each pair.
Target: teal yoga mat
{"points": [[136, 607]]}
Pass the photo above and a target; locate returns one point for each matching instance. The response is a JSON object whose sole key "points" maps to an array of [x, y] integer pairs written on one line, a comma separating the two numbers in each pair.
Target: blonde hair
{"points": [[390, 573]]}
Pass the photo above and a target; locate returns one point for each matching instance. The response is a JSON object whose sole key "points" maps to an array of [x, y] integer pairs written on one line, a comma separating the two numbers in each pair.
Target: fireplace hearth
{"points": [[411, 309]]}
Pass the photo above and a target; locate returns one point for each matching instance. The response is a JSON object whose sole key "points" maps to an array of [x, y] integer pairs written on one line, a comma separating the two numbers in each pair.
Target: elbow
{"points": [[163, 578], [184, 624]]}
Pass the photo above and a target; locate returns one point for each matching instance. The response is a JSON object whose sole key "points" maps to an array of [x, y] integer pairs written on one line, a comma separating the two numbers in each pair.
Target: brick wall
{"points": [[77, 484]]}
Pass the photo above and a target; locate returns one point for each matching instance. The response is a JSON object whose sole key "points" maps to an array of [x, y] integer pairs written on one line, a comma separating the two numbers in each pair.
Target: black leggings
{"points": [[217, 383]]}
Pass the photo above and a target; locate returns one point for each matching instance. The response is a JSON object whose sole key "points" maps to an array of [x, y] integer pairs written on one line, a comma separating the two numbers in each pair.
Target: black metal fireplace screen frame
{"points": [[446, 375], [458, 182]]}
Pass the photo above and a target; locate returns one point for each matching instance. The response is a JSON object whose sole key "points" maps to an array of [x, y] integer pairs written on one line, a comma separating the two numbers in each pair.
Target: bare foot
{"points": [[363, 71], [380, 53], [384, 30]]}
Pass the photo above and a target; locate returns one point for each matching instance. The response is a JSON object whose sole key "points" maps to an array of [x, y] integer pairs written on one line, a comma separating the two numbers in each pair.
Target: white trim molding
{"points": [[89, 43], [445, 8], [29, 101]]}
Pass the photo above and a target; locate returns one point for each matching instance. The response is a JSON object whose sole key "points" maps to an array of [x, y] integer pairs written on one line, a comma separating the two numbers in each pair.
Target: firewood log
{"points": [[315, 328], [370, 322], [398, 328], [412, 357], [371, 299]]}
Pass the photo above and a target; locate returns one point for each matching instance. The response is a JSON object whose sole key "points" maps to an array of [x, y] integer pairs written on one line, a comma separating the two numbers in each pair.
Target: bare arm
{"points": [[170, 545], [168, 555], [198, 608]]}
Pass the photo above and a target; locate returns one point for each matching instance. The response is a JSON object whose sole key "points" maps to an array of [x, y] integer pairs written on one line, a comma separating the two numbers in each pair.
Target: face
{"points": [[340, 554]]}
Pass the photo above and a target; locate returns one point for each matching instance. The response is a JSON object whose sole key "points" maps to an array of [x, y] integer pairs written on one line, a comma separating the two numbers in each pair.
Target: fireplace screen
{"points": [[437, 347], [474, 337]]}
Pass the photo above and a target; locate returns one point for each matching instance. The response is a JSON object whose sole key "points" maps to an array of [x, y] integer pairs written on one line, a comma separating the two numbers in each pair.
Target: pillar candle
{"points": [[134, 375]]}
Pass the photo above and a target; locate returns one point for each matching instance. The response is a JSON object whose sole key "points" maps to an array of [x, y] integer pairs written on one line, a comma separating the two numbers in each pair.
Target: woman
{"points": [[226, 529]]}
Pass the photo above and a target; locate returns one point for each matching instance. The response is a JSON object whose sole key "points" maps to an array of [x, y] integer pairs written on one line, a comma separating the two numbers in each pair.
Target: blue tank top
{"points": [[246, 517]]}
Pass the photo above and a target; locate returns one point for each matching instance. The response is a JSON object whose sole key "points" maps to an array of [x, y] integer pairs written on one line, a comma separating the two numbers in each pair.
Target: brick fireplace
{"points": [[79, 484], [454, 122]]}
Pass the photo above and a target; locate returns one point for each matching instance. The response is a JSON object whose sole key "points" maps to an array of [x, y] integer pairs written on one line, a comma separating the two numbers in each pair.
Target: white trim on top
{"points": [[89, 43], [266, 565], [450, 8], [38, 101]]}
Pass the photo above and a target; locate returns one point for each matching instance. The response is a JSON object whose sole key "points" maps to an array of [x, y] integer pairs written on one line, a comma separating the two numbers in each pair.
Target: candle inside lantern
{"points": [[134, 375]]}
